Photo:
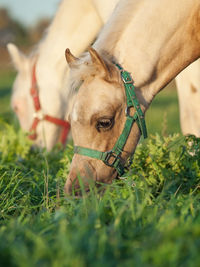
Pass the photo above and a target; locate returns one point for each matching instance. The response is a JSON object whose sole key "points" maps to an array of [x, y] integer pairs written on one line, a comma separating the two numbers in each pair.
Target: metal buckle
{"points": [[109, 156], [127, 112], [130, 80], [39, 115]]}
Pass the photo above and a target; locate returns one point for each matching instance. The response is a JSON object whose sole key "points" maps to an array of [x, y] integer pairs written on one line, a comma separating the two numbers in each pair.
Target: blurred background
{"points": [[23, 22]]}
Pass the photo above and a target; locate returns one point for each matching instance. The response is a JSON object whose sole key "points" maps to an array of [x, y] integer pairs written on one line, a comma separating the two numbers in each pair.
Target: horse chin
{"points": [[84, 174], [81, 175], [108, 174]]}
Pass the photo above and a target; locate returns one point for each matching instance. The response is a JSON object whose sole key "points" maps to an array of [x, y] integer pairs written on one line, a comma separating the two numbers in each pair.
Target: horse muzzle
{"points": [[86, 172], [82, 174]]}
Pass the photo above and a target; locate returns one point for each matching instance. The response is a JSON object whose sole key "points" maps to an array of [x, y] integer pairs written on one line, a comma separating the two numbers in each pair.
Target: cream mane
{"points": [[83, 68], [117, 23], [129, 36], [108, 39]]}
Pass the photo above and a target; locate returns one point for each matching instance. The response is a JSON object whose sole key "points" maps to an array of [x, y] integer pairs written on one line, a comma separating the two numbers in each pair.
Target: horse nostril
{"points": [[15, 105], [15, 108]]}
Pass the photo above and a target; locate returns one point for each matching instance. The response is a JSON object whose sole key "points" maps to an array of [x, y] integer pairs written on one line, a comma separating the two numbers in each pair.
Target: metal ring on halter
{"points": [[110, 158], [128, 79], [127, 112], [39, 115]]}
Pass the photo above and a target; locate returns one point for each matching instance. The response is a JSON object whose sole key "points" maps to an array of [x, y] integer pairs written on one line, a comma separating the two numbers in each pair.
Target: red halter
{"points": [[39, 116]]}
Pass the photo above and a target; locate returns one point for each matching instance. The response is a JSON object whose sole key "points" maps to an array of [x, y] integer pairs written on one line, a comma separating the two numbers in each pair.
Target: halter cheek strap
{"points": [[113, 157], [39, 116]]}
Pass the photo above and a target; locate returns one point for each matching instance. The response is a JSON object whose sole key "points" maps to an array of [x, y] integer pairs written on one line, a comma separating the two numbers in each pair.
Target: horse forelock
{"points": [[84, 70]]}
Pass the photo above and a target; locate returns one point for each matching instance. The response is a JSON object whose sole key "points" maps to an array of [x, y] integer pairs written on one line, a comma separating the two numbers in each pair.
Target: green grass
{"points": [[150, 218], [6, 80], [163, 115]]}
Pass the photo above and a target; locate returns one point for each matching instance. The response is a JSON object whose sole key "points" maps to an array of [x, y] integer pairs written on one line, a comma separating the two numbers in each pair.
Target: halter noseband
{"points": [[113, 158], [39, 116]]}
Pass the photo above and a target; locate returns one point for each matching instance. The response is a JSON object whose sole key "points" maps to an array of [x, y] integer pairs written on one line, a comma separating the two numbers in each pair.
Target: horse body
{"points": [[188, 82], [154, 40], [76, 24]]}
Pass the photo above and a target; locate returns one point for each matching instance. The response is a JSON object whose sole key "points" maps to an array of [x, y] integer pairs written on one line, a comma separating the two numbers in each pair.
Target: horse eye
{"points": [[104, 124]]}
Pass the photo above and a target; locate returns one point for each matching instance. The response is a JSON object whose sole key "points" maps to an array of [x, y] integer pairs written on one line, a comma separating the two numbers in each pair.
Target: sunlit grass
{"points": [[6, 79], [150, 218], [163, 115]]}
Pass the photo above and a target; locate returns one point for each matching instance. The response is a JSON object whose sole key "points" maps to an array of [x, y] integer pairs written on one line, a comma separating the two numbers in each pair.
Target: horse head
{"points": [[37, 99], [107, 113], [98, 117]]}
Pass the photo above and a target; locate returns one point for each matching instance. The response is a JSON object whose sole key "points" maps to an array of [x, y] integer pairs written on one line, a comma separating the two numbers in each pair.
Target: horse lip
{"points": [[89, 173]]}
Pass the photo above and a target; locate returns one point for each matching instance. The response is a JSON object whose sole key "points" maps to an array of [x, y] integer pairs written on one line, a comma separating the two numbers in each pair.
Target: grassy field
{"points": [[163, 115], [150, 218]]}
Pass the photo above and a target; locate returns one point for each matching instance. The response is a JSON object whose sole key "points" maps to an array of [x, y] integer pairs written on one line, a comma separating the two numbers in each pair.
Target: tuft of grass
{"points": [[163, 115]]}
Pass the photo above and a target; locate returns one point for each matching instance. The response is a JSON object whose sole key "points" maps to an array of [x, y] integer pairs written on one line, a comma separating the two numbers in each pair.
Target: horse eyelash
{"points": [[105, 128]]}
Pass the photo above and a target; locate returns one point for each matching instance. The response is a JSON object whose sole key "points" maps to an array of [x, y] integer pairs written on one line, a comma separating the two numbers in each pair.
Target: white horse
{"points": [[76, 24], [154, 41]]}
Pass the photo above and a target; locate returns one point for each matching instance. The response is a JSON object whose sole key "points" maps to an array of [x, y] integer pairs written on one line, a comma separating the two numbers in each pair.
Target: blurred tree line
{"points": [[12, 30]]}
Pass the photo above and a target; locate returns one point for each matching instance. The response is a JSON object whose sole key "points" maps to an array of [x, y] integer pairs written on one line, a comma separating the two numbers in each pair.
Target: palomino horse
{"points": [[154, 41], [38, 93]]}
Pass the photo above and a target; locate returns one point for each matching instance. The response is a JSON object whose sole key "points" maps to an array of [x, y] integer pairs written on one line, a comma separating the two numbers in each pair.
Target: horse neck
{"points": [[105, 8], [155, 42], [74, 25]]}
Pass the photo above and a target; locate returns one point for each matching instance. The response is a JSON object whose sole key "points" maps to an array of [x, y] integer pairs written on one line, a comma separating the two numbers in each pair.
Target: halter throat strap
{"points": [[40, 116], [113, 157]]}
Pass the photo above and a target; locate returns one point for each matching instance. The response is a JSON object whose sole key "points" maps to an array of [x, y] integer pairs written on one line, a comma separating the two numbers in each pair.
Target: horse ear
{"points": [[98, 61], [69, 57], [18, 58]]}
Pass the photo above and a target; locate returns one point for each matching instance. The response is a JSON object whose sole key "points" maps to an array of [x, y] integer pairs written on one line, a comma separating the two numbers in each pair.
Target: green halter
{"points": [[113, 158]]}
